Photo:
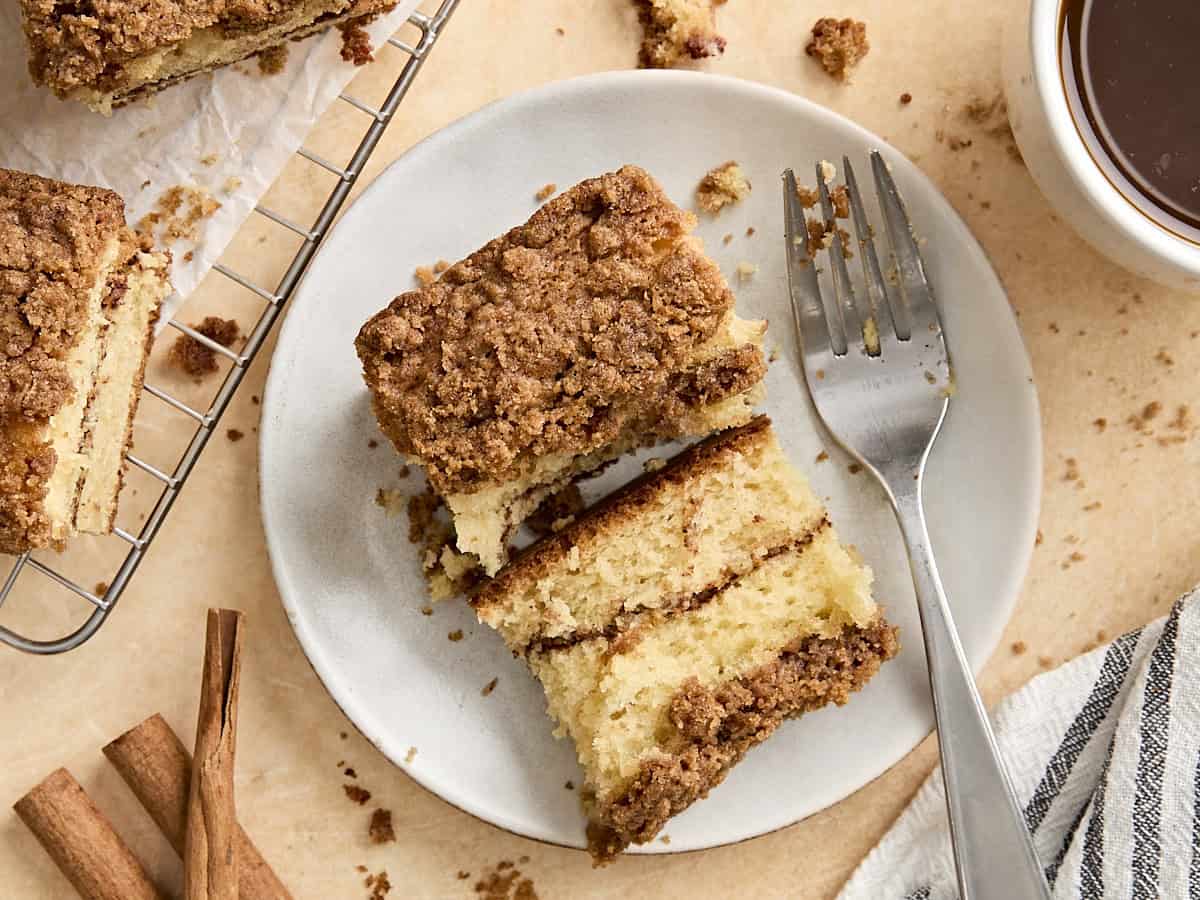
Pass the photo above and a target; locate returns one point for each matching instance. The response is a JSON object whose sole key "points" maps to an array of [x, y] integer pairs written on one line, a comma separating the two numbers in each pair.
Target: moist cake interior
{"points": [[678, 623], [129, 326]]}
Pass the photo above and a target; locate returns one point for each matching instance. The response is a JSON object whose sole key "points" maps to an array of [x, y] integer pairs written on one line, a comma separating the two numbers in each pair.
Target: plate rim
{"points": [[1007, 592]]}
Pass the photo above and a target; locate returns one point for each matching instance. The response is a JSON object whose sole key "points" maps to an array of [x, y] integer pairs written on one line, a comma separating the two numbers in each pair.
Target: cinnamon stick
{"points": [[82, 842], [210, 863], [153, 761]]}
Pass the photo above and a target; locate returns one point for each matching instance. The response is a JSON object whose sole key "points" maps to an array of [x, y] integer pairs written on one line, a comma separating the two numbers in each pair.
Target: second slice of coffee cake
{"points": [[596, 327], [79, 296], [677, 624]]}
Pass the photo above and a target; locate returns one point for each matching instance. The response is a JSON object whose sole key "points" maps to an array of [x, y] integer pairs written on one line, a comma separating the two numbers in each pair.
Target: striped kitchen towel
{"points": [[1104, 753]]}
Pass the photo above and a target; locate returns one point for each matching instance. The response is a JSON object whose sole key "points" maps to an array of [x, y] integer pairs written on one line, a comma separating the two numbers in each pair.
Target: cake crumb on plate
{"points": [[722, 186], [380, 830]]}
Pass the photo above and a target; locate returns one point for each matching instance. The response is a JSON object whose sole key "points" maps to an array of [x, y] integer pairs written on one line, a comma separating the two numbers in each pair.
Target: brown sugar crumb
{"points": [[557, 511], [991, 115], [380, 830], [455, 636], [840, 197], [546, 192], [463, 875], [356, 42], [1151, 410], [505, 881], [1182, 420], [1018, 647], [1164, 357], [750, 231], [560, 31], [727, 240], [905, 98], [1101, 424], [189, 256], [379, 885], [1093, 506], [100, 589], [272, 60], [822, 456], [956, 143], [410, 755], [854, 468], [486, 690], [808, 196], [1039, 538], [570, 785], [343, 735], [676, 31], [838, 45], [1045, 662], [820, 236], [357, 794], [234, 435], [404, 471], [372, 443], [427, 610], [722, 186], [193, 357], [389, 501], [1072, 473], [178, 213], [349, 772]]}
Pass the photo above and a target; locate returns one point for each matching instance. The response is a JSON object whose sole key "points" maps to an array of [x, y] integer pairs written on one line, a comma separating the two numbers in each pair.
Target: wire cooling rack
{"points": [[27, 566]]}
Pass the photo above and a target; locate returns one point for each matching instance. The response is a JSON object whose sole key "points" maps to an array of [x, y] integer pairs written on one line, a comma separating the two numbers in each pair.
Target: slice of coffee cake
{"points": [[596, 327], [106, 54], [678, 623], [79, 295]]}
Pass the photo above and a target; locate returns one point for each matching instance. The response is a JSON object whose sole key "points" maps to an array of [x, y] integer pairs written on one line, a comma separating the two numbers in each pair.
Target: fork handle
{"points": [[993, 850]]}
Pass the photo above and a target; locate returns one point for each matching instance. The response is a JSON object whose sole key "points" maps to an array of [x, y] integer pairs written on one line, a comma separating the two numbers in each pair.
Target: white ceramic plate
{"points": [[351, 582]]}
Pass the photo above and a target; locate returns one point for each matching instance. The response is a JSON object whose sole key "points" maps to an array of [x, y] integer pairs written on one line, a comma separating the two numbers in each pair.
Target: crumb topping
{"points": [[674, 31], [722, 186], [356, 42], [554, 338], [272, 60], [838, 45]]}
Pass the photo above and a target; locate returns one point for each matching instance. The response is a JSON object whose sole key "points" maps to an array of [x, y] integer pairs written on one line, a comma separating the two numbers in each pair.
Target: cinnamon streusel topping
{"points": [[552, 338]]}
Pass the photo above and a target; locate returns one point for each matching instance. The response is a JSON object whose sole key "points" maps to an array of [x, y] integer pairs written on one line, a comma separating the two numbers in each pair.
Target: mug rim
{"points": [[1076, 157]]}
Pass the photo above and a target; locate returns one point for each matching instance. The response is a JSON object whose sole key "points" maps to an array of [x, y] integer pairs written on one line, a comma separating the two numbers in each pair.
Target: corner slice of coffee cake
{"points": [[79, 296], [597, 327], [675, 626]]}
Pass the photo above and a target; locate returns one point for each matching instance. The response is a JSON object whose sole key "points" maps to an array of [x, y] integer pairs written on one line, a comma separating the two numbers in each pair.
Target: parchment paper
{"points": [[243, 124]]}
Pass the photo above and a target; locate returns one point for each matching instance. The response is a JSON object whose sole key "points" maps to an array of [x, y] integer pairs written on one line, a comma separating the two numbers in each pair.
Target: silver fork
{"points": [[879, 375]]}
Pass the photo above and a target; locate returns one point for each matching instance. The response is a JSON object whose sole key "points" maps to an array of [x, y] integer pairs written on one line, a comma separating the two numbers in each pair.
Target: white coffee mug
{"points": [[1062, 164]]}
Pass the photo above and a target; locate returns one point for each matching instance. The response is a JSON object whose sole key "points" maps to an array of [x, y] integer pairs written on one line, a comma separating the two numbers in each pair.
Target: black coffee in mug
{"points": [[1131, 70]]}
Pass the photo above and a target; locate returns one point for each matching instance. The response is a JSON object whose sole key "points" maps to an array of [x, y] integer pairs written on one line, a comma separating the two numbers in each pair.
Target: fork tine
{"points": [[891, 318], [843, 290], [910, 266], [808, 307]]}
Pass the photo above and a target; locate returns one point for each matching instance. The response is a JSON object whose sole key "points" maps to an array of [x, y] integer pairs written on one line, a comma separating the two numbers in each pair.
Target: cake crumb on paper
{"points": [[356, 41], [410, 755], [546, 192], [359, 795], [272, 60], [380, 830]]}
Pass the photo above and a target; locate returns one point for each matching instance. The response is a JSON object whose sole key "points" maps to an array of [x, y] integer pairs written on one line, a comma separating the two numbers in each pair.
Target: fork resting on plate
{"points": [[879, 375]]}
